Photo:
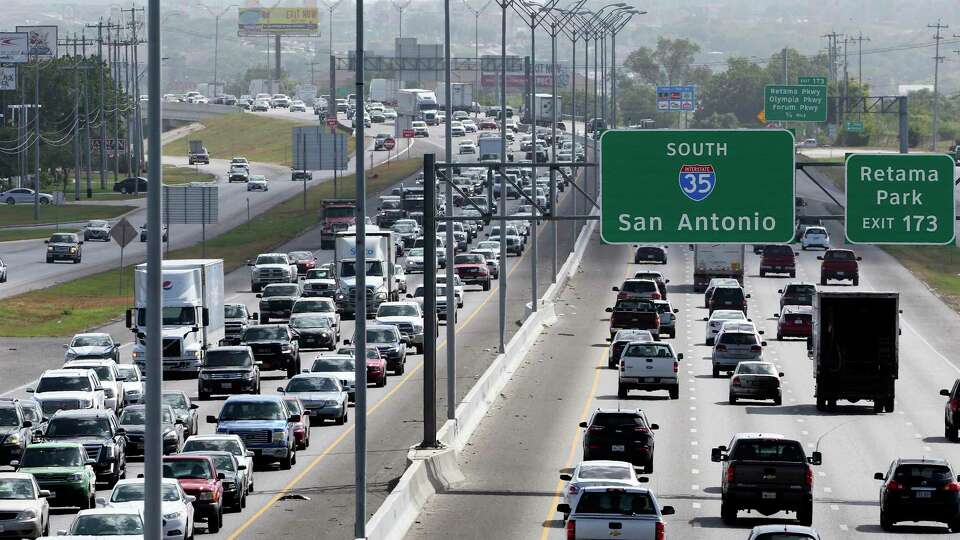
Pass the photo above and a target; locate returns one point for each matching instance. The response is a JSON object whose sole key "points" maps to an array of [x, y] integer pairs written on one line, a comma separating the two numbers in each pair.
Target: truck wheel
{"points": [[821, 404], [728, 513], [856, 281], [779, 336], [805, 515], [732, 399], [255, 287], [287, 462], [675, 391], [213, 522], [382, 382], [622, 392], [716, 372], [950, 433], [486, 285], [793, 274], [878, 406], [710, 341], [889, 405], [763, 274], [203, 396]]}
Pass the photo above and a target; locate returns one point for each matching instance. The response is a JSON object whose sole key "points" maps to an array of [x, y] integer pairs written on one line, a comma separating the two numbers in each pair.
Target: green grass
{"points": [[22, 214], [259, 138], [7, 235], [95, 300], [172, 175], [937, 266]]}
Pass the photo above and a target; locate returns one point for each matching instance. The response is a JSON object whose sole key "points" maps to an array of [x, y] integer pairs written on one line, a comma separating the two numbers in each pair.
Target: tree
{"points": [[669, 63], [635, 100], [738, 90], [718, 121]]}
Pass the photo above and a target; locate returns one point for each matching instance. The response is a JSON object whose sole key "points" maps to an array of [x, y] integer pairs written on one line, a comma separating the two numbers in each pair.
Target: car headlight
{"points": [[325, 334], [73, 250], [172, 515], [286, 348], [75, 477], [247, 375], [27, 514], [206, 496], [70, 354], [13, 439], [279, 436], [110, 449], [417, 328], [381, 295], [49, 248], [137, 355]]}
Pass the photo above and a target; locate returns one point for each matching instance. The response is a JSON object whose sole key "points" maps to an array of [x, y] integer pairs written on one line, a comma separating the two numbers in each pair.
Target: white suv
{"points": [[110, 380], [68, 389]]}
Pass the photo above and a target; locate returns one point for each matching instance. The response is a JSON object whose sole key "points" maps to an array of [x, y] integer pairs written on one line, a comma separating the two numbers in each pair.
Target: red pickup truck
{"points": [[634, 314], [839, 264], [198, 476], [778, 259]]}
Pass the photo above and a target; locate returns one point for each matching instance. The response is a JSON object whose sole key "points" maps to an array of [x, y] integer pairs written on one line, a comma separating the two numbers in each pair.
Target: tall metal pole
{"points": [[360, 339], [613, 78], [127, 93], [603, 78], [76, 134], [553, 153], [535, 256], [115, 74], [448, 177], [216, 52], [573, 126], [502, 210], [36, 148], [153, 447], [86, 120], [103, 112], [936, 81], [430, 330]]}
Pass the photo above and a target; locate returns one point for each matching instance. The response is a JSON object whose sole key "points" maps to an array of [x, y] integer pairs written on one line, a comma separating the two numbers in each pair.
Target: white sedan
{"points": [[177, 505], [597, 473], [716, 320]]}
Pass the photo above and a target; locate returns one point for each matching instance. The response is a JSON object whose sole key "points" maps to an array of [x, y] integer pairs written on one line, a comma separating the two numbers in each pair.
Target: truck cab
{"points": [[336, 215], [379, 267]]}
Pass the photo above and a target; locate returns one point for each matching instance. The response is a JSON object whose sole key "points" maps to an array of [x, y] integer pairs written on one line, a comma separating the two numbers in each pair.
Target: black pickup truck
{"points": [[277, 300], [275, 346], [634, 314], [768, 473]]}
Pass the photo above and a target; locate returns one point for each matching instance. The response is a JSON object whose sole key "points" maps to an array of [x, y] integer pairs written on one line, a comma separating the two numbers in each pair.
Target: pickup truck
{"points": [[839, 264], [649, 366], [633, 513], [768, 473], [634, 314]]}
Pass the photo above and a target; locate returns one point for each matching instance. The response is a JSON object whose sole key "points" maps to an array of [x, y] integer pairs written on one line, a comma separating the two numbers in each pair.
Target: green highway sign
{"points": [[815, 81], [697, 186], [795, 103], [900, 199], [854, 126]]}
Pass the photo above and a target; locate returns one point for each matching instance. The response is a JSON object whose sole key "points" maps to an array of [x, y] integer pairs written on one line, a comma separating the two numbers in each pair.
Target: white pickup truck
{"points": [[627, 513], [649, 366]]}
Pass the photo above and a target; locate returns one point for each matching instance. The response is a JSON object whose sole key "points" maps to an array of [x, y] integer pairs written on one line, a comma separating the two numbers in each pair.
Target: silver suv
{"points": [[733, 347]]}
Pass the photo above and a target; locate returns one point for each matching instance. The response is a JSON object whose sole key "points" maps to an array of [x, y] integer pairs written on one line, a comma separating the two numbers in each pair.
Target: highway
{"points": [[324, 472], [531, 435]]}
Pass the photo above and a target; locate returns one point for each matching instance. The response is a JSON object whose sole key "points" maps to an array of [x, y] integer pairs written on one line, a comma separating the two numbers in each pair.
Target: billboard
{"points": [[42, 40], [516, 76], [278, 20], [8, 78], [676, 98], [14, 47]]}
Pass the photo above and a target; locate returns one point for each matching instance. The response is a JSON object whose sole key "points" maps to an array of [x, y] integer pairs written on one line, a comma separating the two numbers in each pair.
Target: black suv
{"points": [[919, 490], [64, 247], [277, 300], [15, 432], [101, 435], [797, 294], [951, 412], [131, 184], [228, 370], [650, 254], [728, 298], [275, 346], [620, 434]]}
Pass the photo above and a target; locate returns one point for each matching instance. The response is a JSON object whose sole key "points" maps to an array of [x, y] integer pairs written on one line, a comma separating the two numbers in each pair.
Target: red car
{"points": [[198, 476], [839, 264], [301, 429], [794, 321], [304, 260], [487, 123], [472, 269], [376, 369]]}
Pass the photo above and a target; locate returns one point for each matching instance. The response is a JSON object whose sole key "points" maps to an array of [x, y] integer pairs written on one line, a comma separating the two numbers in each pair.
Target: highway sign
{"points": [[676, 98], [795, 103], [697, 186], [315, 149], [191, 204], [123, 232], [389, 143], [408, 134], [853, 126], [900, 199], [815, 81]]}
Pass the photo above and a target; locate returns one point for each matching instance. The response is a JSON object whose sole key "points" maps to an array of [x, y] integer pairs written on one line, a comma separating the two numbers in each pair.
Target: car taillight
{"points": [[656, 296], [661, 531], [809, 477], [676, 367], [621, 296], [756, 348], [893, 485], [729, 476], [571, 529], [954, 405], [573, 490], [721, 348], [952, 486], [641, 429], [595, 429], [735, 381]]}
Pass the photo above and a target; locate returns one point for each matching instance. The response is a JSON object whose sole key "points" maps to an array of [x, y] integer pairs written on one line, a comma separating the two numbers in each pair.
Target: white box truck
{"points": [[384, 90], [415, 102], [380, 260], [192, 313], [461, 96], [543, 109], [715, 261]]}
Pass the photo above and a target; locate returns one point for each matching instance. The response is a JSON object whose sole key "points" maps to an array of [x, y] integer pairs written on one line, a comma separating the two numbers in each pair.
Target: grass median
{"points": [[172, 175], [258, 137], [95, 300], [22, 214], [7, 235]]}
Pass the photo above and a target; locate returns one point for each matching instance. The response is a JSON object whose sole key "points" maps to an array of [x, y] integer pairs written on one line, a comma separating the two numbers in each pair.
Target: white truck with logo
{"points": [[416, 102], [543, 109], [380, 260], [193, 314], [716, 261]]}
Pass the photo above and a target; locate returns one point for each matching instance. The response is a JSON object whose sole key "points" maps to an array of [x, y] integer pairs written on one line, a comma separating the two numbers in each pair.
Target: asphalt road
{"points": [[531, 434], [324, 472]]}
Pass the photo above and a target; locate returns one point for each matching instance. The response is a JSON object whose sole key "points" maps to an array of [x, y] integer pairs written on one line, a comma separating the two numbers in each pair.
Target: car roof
{"points": [[786, 528], [215, 436], [601, 410], [58, 444], [255, 398], [81, 413], [65, 372], [230, 348], [91, 334], [757, 435], [793, 310], [717, 312], [128, 481], [91, 361]]}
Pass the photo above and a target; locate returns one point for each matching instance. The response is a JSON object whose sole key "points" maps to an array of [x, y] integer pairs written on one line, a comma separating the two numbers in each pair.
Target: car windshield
{"points": [[374, 268], [128, 373], [778, 250], [271, 259], [838, 256], [138, 416], [816, 230], [318, 273], [228, 358], [486, 244], [738, 338], [197, 445], [223, 462], [634, 305], [135, 493], [640, 285], [339, 212], [264, 333], [469, 258], [234, 311], [177, 401], [618, 420], [16, 489], [252, 410], [301, 255], [103, 372], [66, 383], [90, 341], [40, 456], [728, 315], [403, 227], [326, 363], [801, 290], [397, 311], [107, 525], [62, 239], [415, 252], [312, 384], [590, 471], [618, 502], [727, 293], [378, 335], [78, 427], [755, 368], [767, 450], [172, 316], [309, 321], [187, 468], [280, 290], [649, 349], [313, 306], [9, 417]]}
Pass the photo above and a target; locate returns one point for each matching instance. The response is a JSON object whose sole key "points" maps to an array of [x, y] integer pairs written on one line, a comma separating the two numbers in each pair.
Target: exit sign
{"points": [[816, 81]]}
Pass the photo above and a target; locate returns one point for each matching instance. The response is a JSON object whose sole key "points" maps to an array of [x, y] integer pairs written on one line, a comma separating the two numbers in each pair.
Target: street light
{"points": [[476, 41], [331, 7], [400, 6], [216, 40], [617, 27]]}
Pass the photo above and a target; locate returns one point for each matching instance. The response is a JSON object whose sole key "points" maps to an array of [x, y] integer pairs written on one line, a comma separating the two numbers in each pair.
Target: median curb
{"points": [[431, 472]]}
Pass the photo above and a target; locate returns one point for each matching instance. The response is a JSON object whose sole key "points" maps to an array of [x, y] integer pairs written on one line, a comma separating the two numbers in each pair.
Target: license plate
{"points": [[618, 448], [227, 385], [922, 494], [797, 322], [769, 495], [840, 273], [650, 379]]}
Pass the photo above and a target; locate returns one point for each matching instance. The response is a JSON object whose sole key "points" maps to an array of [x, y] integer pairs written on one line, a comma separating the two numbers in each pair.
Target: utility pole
{"points": [[137, 113], [476, 43], [846, 88], [860, 39], [103, 126], [832, 39], [937, 59]]}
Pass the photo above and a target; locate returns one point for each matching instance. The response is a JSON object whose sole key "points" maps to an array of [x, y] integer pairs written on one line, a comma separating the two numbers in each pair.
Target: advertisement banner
{"points": [[14, 47], [8, 78], [278, 20], [42, 41]]}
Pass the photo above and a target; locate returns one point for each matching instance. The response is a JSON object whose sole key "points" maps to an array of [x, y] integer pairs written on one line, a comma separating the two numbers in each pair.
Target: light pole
{"points": [[617, 27], [331, 7], [607, 25], [476, 42], [216, 40], [400, 6]]}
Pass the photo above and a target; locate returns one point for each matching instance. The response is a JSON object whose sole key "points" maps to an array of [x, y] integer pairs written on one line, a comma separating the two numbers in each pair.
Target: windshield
{"points": [[138, 416], [223, 462], [135, 493], [488, 245], [621, 503], [90, 341], [313, 384], [38, 456], [469, 259], [767, 450], [313, 306], [78, 427], [103, 372], [397, 311], [252, 410], [839, 256], [403, 227], [107, 525], [280, 290], [264, 333], [172, 316], [16, 489], [234, 311], [727, 314], [323, 364], [310, 321], [339, 212], [376, 335], [199, 445], [62, 239], [301, 255], [374, 268], [228, 358], [649, 349], [319, 273], [75, 383], [187, 468], [803, 290], [176, 401], [272, 259], [755, 368], [415, 252], [618, 420], [8, 417]]}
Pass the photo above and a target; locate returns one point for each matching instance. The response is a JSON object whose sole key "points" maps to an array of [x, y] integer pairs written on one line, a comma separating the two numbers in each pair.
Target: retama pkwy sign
{"points": [[697, 186]]}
